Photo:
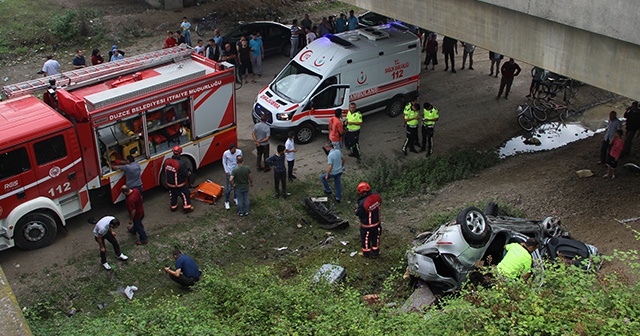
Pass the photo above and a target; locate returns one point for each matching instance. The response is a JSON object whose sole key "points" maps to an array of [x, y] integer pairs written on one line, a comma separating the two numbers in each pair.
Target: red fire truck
{"points": [[53, 152]]}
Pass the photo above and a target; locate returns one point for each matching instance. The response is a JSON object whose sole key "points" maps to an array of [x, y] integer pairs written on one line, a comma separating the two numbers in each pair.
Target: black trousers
{"points": [[412, 139], [604, 151], [370, 240], [183, 280], [427, 139], [351, 142], [505, 82], [182, 192], [290, 169], [116, 246], [626, 150], [261, 157], [449, 56], [280, 178]]}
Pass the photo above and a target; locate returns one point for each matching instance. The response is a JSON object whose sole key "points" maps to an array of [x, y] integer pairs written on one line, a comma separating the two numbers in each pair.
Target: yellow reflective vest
{"points": [[430, 116], [354, 117], [409, 113]]}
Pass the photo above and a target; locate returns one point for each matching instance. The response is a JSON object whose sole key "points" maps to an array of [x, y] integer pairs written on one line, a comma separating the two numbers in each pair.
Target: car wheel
{"points": [[551, 227], [395, 107], [305, 133], [35, 230], [475, 229], [491, 209]]}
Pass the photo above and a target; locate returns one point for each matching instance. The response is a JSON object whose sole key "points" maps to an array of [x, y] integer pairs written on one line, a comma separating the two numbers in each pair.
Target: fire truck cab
{"points": [[136, 109]]}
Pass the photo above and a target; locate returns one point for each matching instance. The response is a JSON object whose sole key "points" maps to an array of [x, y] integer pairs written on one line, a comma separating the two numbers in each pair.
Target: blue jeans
{"points": [[227, 190], [139, 229], [243, 200], [187, 37], [336, 180]]}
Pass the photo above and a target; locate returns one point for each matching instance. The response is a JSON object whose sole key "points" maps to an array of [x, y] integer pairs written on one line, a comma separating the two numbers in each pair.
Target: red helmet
{"points": [[363, 187], [177, 150]]}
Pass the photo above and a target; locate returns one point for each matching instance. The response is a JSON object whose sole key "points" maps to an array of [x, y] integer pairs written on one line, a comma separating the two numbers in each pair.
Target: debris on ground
{"points": [[584, 173], [628, 220], [129, 291], [326, 217], [532, 141], [330, 272], [353, 254], [371, 298]]}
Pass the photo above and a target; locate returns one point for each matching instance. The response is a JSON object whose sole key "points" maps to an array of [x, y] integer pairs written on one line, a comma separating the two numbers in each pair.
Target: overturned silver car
{"points": [[444, 258]]}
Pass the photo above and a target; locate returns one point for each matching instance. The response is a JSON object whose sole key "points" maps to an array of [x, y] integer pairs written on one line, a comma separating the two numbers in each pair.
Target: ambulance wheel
{"points": [[35, 230], [305, 133], [395, 107]]}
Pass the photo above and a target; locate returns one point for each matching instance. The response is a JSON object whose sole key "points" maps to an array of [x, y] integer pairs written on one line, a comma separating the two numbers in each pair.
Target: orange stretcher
{"points": [[208, 192]]}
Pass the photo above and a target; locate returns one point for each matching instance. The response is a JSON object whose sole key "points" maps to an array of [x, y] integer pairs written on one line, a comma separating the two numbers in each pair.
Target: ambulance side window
{"points": [[14, 163], [326, 99], [50, 150]]}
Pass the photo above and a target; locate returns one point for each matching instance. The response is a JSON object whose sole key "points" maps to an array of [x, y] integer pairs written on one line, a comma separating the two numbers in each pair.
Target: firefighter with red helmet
{"points": [[177, 175], [369, 213]]}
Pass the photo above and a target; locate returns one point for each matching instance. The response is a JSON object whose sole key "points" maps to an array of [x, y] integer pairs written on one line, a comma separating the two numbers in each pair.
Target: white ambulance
{"points": [[374, 67]]}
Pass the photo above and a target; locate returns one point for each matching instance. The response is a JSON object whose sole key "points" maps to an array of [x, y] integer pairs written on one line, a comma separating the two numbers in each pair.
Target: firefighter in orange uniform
{"points": [[369, 213], [177, 175]]}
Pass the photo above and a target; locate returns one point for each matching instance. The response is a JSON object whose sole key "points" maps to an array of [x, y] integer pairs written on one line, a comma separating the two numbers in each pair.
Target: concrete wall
{"points": [[12, 322], [600, 60]]}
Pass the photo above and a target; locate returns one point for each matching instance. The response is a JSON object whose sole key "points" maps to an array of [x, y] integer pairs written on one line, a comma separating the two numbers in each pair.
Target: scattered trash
{"points": [[244, 248], [102, 305], [319, 199], [281, 248], [584, 173], [624, 221], [532, 141], [328, 240], [352, 254], [331, 273], [72, 311], [17, 265], [344, 242], [129, 291], [6, 79]]}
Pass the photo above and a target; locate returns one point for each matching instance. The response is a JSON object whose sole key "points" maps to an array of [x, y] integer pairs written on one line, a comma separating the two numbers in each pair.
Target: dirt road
{"points": [[470, 117]]}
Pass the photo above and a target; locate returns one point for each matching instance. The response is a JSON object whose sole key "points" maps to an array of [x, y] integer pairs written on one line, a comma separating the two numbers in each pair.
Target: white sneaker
{"points": [[106, 266], [235, 200], [123, 257], [227, 206]]}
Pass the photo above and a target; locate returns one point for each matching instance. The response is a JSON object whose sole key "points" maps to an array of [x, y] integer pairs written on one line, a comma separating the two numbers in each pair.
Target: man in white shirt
{"points": [[229, 161], [104, 229], [290, 154], [310, 35], [50, 67]]}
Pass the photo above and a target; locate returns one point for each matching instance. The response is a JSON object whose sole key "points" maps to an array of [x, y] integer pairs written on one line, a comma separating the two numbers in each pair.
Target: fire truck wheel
{"points": [[305, 133], [35, 230], [188, 163], [395, 107]]}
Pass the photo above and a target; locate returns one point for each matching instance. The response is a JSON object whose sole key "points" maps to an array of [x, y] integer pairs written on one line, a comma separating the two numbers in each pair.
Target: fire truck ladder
{"points": [[90, 75]]}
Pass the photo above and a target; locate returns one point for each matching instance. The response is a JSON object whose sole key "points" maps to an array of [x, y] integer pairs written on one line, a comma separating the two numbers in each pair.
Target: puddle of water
{"points": [[546, 137]]}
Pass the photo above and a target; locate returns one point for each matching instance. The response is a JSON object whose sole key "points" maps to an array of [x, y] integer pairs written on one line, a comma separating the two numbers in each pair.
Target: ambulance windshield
{"points": [[295, 82]]}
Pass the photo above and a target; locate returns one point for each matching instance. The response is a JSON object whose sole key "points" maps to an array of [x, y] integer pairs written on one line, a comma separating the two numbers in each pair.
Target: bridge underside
{"points": [[597, 53]]}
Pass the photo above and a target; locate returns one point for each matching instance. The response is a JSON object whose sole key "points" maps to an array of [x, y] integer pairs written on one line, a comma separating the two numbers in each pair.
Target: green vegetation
{"points": [[251, 286]]}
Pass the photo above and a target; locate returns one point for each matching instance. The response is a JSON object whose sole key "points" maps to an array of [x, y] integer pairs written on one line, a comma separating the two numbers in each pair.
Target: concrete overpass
{"points": [[594, 41]]}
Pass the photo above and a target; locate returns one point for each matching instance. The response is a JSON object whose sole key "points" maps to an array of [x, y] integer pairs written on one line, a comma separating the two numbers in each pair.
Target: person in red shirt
{"points": [[170, 41], [136, 213], [617, 144], [336, 129]]}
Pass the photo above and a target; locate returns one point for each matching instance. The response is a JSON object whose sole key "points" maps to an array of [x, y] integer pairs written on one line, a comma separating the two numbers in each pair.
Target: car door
{"points": [[16, 174], [55, 166]]}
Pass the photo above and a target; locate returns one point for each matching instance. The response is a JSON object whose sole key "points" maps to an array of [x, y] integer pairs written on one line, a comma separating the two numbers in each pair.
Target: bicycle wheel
{"points": [[543, 91], [566, 113], [541, 104], [540, 114], [525, 123], [202, 27]]}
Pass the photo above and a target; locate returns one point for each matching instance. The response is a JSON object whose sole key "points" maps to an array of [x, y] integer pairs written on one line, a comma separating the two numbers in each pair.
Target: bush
{"points": [[73, 25]]}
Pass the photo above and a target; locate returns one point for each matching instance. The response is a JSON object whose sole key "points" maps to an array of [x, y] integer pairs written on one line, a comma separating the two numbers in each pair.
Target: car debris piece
{"points": [[621, 221], [330, 272], [371, 298], [353, 254], [326, 217], [281, 248]]}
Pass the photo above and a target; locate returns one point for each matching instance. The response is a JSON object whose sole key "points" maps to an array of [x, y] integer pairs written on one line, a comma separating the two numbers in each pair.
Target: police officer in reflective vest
{"points": [[352, 138], [369, 213], [410, 121], [429, 118], [177, 175]]}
